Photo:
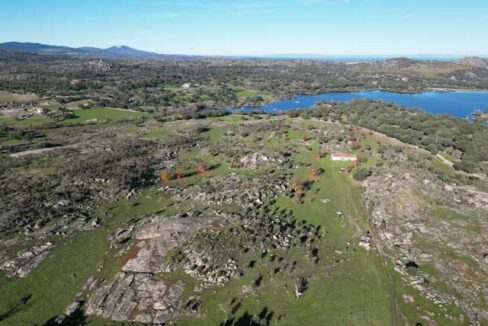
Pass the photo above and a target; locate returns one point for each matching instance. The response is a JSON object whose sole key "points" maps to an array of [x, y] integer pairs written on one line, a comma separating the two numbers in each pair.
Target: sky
{"points": [[254, 27]]}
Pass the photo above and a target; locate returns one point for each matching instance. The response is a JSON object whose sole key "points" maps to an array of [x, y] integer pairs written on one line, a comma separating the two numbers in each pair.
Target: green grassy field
{"points": [[249, 94], [6, 97], [55, 283], [110, 114], [81, 116]]}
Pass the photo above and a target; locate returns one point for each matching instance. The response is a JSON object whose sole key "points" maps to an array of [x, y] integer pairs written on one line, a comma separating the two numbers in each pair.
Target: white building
{"points": [[344, 157]]}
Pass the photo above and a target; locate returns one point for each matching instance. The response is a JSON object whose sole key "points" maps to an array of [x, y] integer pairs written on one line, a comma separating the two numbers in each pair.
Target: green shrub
{"points": [[361, 174]]}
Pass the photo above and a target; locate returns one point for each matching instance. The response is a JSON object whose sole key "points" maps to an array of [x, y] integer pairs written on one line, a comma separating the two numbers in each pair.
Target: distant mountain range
{"points": [[114, 52], [125, 52]]}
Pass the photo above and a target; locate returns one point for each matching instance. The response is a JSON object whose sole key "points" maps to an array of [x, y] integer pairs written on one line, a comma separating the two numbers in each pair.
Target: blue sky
{"points": [[231, 27]]}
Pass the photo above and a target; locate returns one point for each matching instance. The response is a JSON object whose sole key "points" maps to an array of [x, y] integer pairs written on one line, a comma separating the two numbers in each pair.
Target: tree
{"points": [[282, 131], [314, 173], [297, 186], [361, 159], [61, 114], [164, 176], [356, 145], [465, 166], [293, 114], [180, 173], [202, 169], [361, 174]]}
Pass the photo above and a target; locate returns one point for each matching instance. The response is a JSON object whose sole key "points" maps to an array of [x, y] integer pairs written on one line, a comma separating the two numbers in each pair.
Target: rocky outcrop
{"points": [[26, 261], [136, 293], [260, 160], [366, 242], [212, 255], [206, 247], [138, 297], [157, 236], [413, 212], [235, 189]]}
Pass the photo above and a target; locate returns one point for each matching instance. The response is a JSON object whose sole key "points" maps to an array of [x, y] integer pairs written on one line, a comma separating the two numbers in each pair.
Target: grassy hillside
{"points": [[346, 285]]}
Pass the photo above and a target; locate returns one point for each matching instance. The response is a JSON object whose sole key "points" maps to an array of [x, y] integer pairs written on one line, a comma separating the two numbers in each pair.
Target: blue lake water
{"points": [[460, 103]]}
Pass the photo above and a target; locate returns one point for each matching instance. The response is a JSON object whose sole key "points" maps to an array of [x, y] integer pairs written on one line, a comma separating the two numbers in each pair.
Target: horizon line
{"points": [[260, 55]]}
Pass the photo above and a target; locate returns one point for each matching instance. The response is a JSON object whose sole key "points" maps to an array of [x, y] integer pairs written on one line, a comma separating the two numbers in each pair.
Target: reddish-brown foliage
{"points": [[164, 176], [314, 173], [180, 173], [297, 186], [356, 145], [202, 169]]}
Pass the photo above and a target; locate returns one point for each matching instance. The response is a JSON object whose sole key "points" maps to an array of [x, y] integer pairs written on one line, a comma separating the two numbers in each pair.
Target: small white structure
{"points": [[40, 110], [344, 157], [186, 85]]}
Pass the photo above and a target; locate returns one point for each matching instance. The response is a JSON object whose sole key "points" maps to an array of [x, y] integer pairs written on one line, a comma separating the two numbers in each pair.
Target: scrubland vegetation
{"points": [[127, 200]]}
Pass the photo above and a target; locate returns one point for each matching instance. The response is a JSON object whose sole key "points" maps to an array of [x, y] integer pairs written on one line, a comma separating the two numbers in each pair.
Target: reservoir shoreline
{"points": [[456, 102]]}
